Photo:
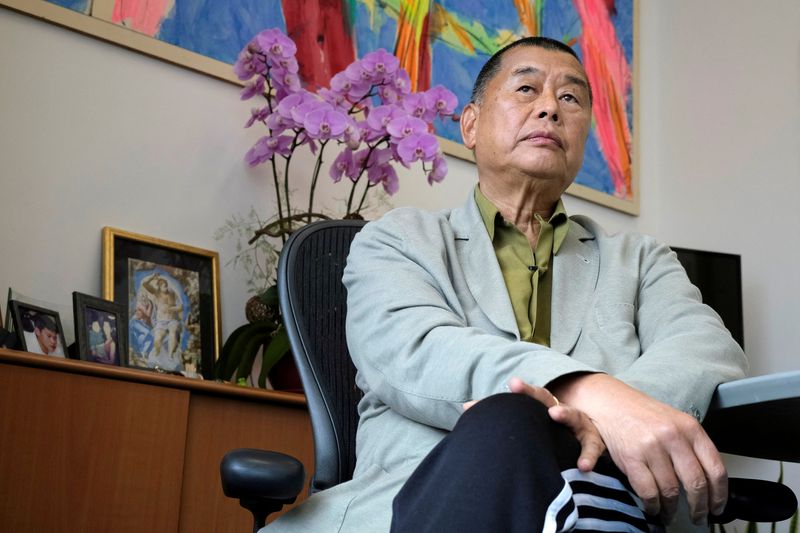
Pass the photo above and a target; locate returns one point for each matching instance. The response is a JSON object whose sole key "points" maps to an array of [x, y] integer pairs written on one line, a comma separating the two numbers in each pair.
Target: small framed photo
{"points": [[101, 330], [170, 292], [38, 330]]}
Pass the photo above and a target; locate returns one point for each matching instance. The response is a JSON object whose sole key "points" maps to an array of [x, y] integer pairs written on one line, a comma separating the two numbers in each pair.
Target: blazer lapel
{"points": [[482, 272], [575, 270]]}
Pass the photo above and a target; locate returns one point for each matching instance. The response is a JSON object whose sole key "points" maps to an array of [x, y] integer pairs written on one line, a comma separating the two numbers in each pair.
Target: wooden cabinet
{"points": [[91, 448]]}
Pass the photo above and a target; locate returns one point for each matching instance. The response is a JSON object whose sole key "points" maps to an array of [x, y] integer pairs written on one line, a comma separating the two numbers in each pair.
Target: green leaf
{"points": [[225, 353], [270, 296], [235, 348], [793, 524], [278, 347], [249, 352]]}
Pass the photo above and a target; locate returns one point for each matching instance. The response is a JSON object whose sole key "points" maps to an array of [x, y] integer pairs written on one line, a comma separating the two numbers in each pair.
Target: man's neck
{"points": [[520, 205]]}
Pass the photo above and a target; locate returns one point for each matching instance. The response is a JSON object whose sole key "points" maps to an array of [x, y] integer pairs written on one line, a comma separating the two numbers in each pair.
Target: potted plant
{"points": [[369, 114]]}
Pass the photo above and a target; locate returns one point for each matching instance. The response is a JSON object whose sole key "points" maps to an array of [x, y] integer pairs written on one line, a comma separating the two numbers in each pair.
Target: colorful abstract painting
{"points": [[438, 42]]}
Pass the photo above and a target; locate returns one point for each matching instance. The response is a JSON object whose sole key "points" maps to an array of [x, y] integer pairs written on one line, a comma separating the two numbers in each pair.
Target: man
{"points": [[602, 338], [168, 315], [45, 338]]}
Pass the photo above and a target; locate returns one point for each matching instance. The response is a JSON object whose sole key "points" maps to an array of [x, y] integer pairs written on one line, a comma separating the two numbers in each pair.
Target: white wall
{"points": [[94, 135]]}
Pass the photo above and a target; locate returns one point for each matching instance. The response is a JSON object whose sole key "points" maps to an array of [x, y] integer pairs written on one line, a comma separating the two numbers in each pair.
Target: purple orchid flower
{"points": [[284, 79], [416, 106], [342, 165], [356, 73], [381, 63], [385, 175], [405, 126], [253, 89], [439, 169], [418, 146], [442, 101], [324, 122], [352, 134], [266, 148], [276, 44], [258, 115]]}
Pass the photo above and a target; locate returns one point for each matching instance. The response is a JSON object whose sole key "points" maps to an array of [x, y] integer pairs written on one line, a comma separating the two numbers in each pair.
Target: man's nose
{"points": [[547, 106]]}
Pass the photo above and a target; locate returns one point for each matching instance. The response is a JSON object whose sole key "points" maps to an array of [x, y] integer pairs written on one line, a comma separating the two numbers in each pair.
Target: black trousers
{"points": [[507, 467]]}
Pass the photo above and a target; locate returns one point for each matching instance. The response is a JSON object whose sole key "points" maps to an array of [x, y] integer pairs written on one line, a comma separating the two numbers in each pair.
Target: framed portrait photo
{"points": [[170, 293], [101, 330], [38, 330]]}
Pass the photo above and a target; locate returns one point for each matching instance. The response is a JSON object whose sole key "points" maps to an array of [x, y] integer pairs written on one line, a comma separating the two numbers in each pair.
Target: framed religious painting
{"points": [[101, 330], [170, 292]]}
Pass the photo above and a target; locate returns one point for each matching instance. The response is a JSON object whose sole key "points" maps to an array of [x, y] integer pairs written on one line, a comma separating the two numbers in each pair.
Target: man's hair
{"points": [[45, 322], [491, 67]]}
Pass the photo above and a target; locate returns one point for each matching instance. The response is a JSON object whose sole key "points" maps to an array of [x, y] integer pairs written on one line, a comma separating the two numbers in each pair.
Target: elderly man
{"points": [[602, 341]]}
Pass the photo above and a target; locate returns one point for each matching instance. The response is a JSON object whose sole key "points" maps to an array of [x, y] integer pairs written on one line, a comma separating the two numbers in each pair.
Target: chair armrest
{"points": [[249, 473], [262, 481], [757, 417], [755, 500]]}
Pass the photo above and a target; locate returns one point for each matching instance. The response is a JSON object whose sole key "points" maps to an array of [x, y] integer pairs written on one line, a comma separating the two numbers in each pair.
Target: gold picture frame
{"points": [[171, 293]]}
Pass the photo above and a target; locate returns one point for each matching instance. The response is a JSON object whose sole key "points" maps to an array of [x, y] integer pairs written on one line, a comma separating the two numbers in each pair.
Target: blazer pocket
{"points": [[616, 321]]}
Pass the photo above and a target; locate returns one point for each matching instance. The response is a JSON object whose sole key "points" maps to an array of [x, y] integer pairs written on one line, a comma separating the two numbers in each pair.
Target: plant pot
{"points": [[284, 376]]}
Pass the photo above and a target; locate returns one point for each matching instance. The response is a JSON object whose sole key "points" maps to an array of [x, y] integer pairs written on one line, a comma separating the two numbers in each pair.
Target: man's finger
{"points": [[592, 445], [645, 486], [469, 404], [715, 472], [665, 478], [539, 394]]}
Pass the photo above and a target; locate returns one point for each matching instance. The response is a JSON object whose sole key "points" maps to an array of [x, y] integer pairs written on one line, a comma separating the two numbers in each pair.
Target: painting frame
{"points": [[625, 182], [115, 341], [184, 336], [20, 313]]}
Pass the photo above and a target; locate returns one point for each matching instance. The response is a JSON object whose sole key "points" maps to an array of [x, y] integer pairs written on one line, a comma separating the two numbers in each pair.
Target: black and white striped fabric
{"points": [[591, 501]]}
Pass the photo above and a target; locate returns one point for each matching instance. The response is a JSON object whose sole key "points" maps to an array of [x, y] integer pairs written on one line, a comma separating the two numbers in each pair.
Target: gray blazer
{"points": [[430, 326]]}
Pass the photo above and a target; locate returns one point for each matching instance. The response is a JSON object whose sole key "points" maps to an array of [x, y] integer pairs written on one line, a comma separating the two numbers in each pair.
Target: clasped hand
{"points": [[656, 446]]}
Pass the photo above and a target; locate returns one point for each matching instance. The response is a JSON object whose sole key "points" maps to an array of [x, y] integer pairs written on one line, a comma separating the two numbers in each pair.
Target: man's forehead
{"points": [[530, 60]]}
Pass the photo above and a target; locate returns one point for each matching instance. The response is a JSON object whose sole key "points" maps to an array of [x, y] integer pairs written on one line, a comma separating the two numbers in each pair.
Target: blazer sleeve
{"points": [[408, 334], [686, 351]]}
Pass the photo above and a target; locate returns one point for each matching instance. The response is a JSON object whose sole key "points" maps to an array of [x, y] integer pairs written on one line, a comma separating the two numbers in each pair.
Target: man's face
{"points": [[48, 339], [533, 119], [162, 285]]}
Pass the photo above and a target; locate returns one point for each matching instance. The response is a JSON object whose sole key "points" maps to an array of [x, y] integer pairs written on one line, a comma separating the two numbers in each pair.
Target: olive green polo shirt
{"points": [[527, 273]]}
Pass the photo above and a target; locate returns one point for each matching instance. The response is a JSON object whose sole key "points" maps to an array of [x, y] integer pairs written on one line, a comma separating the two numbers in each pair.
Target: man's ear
{"points": [[469, 117]]}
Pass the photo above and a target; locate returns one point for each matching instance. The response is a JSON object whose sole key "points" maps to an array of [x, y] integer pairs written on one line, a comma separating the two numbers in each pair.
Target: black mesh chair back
{"points": [[313, 303]]}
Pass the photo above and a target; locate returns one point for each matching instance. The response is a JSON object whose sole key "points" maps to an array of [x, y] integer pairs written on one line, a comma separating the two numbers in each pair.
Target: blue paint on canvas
{"points": [[81, 6], [219, 30]]}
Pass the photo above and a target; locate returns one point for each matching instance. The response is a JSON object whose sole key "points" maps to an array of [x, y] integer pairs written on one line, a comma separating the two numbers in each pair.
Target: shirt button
{"points": [[533, 268]]}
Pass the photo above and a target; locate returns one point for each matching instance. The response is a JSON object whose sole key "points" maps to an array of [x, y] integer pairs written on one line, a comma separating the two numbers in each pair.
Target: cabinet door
{"points": [[216, 426], [89, 454]]}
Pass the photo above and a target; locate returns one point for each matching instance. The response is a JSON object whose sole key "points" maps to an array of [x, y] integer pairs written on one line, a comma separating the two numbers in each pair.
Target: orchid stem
{"points": [[277, 192], [352, 192], [314, 179], [286, 179], [364, 197]]}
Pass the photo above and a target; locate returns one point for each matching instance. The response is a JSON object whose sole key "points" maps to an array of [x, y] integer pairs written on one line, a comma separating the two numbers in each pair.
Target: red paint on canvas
{"points": [[322, 32], [610, 76], [144, 16]]}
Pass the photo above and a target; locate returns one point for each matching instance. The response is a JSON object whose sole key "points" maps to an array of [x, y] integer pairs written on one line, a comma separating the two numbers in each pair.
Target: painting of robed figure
{"points": [[164, 329]]}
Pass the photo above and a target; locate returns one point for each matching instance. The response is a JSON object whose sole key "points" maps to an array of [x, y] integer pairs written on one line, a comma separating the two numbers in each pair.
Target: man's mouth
{"points": [[544, 138]]}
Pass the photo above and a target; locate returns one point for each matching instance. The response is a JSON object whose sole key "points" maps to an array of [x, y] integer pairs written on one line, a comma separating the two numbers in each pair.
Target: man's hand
{"points": [[657, 447], [592, 446]]}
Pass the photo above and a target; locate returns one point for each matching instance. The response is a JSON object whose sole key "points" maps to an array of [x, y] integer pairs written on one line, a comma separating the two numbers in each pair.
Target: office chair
{"points": [[313, 303]]}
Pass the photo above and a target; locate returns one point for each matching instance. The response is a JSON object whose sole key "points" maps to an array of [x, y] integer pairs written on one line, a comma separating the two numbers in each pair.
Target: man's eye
{"points": [[526, 89], [569, 98]]}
